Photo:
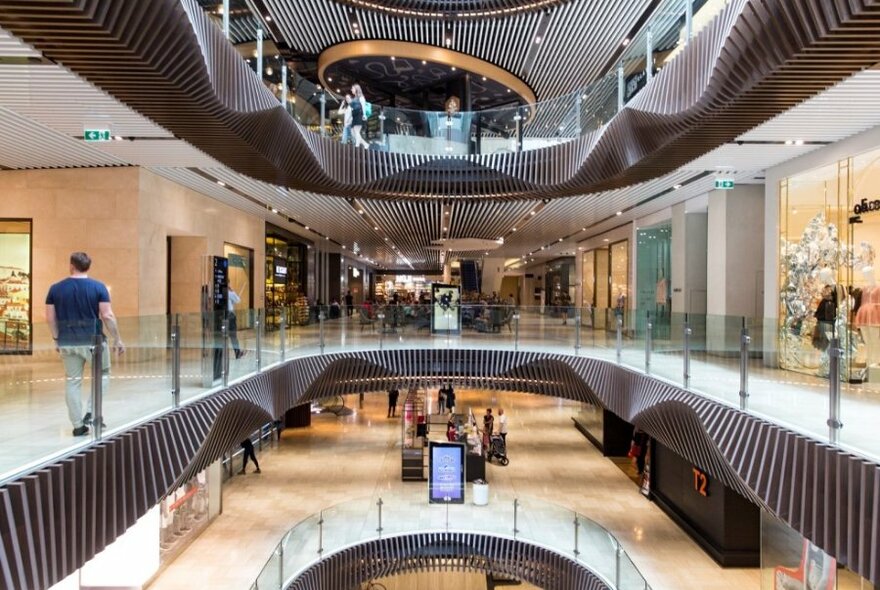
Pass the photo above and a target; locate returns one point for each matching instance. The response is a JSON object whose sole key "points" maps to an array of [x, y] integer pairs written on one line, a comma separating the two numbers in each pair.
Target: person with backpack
{"points": [[359, 114]]}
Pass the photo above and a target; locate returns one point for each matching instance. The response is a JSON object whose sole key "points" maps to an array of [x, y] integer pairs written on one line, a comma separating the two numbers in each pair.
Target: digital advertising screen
{"points": [[446, 474], [446, 316]]}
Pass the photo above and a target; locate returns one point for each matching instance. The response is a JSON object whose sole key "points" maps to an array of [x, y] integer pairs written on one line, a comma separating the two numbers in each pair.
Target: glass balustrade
{"points": [[512, 127], [531, 521], [172, 360]]}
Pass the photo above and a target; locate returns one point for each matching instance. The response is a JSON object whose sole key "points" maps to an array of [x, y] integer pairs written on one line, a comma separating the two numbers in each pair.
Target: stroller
{"points": [[497, 450]]}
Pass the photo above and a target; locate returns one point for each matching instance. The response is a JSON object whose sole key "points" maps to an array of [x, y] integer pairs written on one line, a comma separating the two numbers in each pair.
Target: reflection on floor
{"points": [[444, 581], [340, 459]]}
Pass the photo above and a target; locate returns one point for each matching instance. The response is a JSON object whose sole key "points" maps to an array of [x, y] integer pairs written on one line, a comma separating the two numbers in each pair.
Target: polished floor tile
{"points": [[351, 461]]}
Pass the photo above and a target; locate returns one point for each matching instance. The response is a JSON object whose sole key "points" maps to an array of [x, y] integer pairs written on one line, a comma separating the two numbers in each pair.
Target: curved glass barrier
{"points": [[174, 360], [365, 519], [508, 128]]}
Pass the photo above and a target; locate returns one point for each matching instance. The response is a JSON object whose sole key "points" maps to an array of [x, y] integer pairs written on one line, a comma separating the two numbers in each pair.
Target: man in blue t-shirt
{"points": [[77, 308]]}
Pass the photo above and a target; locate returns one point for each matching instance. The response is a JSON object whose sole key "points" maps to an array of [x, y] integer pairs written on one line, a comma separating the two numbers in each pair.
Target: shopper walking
{"points": [[393, 394], [349, 303], [345, 111], [450, 399], [638, 449], [358, 118], [232, 322], [77, 309], [249, 453], [488, 428], [502, 424]]}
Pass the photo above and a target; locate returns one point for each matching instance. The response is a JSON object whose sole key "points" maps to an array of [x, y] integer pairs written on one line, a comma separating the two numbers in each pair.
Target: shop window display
{"points": [[791, 562], [286, 272], [588, 293], [830, 231], [606, 285], [15, 286]]}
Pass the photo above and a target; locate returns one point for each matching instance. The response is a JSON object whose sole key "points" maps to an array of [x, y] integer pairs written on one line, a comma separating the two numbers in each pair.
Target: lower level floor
{"points": [[338, 460]]}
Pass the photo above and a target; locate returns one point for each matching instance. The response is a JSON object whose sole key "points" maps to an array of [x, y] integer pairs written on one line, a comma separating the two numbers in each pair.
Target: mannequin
{"points": [[867, 318]]}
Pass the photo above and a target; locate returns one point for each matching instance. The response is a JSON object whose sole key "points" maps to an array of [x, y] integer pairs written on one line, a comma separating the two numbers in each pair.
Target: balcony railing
{"points": [[173, 360]]}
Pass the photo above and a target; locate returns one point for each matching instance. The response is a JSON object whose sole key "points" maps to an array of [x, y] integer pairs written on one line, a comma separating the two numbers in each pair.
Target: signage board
{"points": [[96, 135], [446, 316], [724, 184], [446, 474]]}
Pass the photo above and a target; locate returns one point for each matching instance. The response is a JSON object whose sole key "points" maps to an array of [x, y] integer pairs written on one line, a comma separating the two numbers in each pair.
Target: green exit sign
{"points": [[724, 184], [96, 134]]}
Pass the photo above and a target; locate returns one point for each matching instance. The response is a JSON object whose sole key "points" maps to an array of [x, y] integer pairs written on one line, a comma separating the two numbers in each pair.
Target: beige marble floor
{"points": [[343, 459]]}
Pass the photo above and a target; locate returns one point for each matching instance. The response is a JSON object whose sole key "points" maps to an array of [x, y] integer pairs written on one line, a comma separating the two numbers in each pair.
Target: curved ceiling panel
{"points": [[756, 59], [90, 498]]}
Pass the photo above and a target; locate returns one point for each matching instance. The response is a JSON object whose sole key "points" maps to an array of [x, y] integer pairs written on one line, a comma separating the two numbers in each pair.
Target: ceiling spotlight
{"points": [[676, 187], [449, 40], [392, 58], [508, 90], [605, 240], [484, 78], [532, 213], [453, 68], [343, 246], [537, 39], [361, 211], [117, 138], [424, 63], [306, 228], [444, 229], [268, 19], [583, 229], [514, 229], [274, 210], [789, 142], [559, 240], [542, 247], [626, 42], [799, 142], [619, 213], [446, 213], [221, 183], [329, 79], [326, 237], [376, 227]]}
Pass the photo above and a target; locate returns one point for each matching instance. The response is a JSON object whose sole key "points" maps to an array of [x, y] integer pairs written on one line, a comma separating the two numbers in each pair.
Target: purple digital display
{"points": [[447, 473]]}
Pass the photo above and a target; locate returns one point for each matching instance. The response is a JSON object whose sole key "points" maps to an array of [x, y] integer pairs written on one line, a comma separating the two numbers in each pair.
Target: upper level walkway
{"points": [[754, 60], [37, 428]]}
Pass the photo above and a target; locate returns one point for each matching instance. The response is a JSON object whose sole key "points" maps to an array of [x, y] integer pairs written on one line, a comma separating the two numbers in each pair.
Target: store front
{"points": [[286, 276], [830, 228], [408, 288], [559, 285], [654, 278], [606, 284]]}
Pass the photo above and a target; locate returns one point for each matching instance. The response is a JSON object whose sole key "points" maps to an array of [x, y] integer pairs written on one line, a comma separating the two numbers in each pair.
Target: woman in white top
{"points": [[358, 107], [345, 111], [502, 424]]}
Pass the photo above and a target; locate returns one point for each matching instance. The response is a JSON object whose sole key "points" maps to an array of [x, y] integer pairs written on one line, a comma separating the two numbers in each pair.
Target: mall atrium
{"points": [[439, 294]]}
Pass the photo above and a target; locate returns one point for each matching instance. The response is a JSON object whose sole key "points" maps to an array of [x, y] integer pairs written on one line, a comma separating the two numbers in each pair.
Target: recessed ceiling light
{"points": [[453, 68], [626, 42], [117, 137], [361, 211], [326, 237], [221, 183], [514, 229], [449, 40], [268, 18], [583, 229], [538, 39], [605, 240], [789, 142], [392, 58], [329, 79], [799, 142], [619, 213], [532, 213], [484, 78], [376, 227], [559, 240], [508, 90], [274, 210], [424, 62], [444, 229], [677, 186], [306, 228]]}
